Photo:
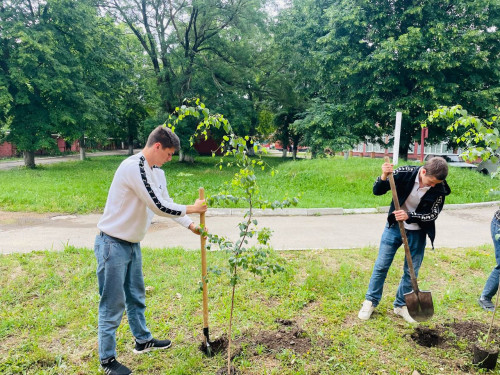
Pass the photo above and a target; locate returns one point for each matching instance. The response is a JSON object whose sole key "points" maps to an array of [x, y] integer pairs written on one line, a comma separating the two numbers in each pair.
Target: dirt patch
{"points": [[288, 336], [293, 339], [471, 330], [449, 334], [223, 371], [10, 220]]}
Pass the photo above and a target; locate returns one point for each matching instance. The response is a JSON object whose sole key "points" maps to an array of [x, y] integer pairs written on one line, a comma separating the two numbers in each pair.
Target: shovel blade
{"points": [[420, 306]]}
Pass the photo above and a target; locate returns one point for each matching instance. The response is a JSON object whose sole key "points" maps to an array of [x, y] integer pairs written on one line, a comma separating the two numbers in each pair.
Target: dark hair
{"points": [[165, 136], [436, 167]]}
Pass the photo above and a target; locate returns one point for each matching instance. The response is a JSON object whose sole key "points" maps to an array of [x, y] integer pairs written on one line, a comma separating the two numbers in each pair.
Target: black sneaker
{"points": [[111, 366], [152, 344], [486, 304]]}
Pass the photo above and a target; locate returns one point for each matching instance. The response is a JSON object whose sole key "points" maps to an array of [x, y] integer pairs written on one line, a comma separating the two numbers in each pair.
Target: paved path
{"points": [[4, 164], [458, 226]]}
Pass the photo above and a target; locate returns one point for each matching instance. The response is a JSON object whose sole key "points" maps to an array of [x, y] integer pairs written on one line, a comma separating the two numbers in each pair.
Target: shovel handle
{"points": [[204, 265], [395, 199]]}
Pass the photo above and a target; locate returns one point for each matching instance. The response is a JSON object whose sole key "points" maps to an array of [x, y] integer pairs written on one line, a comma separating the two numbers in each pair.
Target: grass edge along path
{"points": [[82, 186]]}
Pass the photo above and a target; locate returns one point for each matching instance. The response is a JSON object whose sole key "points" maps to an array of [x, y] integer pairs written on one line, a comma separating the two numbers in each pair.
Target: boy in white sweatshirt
{"points": [[138, 191]]}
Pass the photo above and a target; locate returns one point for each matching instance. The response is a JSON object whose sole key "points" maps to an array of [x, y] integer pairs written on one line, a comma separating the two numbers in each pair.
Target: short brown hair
{"points": [[165, 136], [436, 167]]}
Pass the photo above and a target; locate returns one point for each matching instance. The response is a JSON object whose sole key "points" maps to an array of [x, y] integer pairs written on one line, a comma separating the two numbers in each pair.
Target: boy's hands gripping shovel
{"points": [[418, 302]]}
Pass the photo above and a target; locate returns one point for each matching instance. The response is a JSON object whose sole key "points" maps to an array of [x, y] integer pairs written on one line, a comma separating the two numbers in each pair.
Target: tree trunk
{"points": [[403, 149], [29, 159], [82, 153], [130, 144], [250, 151], [82, 147], [294, 153], [284, 152], [183, 157]]}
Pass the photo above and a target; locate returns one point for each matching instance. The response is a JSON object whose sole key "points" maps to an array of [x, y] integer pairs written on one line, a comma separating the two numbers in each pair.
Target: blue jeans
{"points": [[121, 285], [389, 244], [491, 286]]}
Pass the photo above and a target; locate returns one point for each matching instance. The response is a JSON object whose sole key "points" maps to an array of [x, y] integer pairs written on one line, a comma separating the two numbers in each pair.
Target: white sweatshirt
{"points": [[136, 194]]}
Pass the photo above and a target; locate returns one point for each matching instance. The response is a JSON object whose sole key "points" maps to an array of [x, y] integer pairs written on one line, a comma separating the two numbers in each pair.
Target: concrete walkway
{"points": [[458, 226]]}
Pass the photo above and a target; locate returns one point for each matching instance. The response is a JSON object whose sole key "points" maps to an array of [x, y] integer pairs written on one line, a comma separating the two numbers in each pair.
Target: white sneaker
{"points": [[403, 312], [366, 310]]}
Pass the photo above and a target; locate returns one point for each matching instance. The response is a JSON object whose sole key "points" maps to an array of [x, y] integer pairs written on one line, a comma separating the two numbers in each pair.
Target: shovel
{"points": [[206, 348], [418, 302]]}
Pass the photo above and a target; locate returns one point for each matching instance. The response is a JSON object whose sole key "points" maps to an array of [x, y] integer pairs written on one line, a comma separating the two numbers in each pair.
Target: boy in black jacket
{"points": [[421, 192]]}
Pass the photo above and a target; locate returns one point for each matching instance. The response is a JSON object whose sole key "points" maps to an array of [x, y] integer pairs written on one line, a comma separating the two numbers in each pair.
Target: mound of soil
{"points": [[450, 333], [471, 330], [294, 339], [223, 371]]}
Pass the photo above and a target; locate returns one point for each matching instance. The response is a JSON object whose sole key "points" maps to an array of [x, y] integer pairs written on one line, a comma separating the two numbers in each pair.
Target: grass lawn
{"points": [[81, 187], [48, 314]]}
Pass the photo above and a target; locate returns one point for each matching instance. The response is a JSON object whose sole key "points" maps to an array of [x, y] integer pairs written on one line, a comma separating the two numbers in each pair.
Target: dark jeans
{"points": [[491, 286], [391, 241]]}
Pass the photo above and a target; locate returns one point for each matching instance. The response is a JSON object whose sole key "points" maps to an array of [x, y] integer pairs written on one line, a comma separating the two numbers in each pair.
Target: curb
{"points": [[330, 211]]}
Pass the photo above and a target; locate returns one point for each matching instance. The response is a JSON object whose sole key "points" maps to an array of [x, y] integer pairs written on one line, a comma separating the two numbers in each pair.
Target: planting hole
{"points": [[426, 337], [217, 346]]}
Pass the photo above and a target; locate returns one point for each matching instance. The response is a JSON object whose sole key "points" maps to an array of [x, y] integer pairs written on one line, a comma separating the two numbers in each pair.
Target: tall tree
{"points": [[291, 76], [57, 56], [383, 56], [196, 48]]}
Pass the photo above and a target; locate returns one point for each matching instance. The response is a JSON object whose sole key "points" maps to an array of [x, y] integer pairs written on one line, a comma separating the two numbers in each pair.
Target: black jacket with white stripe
{"points": [[429, 207]]}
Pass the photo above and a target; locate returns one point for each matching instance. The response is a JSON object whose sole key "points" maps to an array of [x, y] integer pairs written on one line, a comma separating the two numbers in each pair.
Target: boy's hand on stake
{"points": [[401, 215], [199, 207]]}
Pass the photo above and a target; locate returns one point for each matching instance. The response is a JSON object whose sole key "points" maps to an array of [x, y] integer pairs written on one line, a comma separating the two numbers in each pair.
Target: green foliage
{"points": [[480, 137], [372, 59], [199, 49], [61, 66], [322, 130]]}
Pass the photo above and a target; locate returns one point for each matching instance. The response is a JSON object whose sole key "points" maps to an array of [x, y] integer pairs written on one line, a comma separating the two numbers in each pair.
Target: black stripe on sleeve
{"points": [[151, 192]]}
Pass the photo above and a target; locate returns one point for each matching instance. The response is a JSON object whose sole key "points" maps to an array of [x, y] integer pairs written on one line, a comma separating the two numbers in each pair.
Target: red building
{"points": [[8, 150]]}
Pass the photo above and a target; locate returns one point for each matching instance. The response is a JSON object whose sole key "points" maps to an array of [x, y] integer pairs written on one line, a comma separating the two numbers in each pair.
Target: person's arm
{"points": [[198, 207], [196, 229], [185, 221], [139, 179], [381, 185]]}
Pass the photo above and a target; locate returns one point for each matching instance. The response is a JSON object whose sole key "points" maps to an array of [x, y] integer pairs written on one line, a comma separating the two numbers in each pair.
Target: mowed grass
{"points": [[82, 186], [49, 301]]}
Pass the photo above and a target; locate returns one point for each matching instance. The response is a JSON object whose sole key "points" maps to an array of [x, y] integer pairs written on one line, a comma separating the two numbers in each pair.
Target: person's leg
{"points": [[491, 286], [416, 242], [112, 262], [135, 293], [389, 244]]}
